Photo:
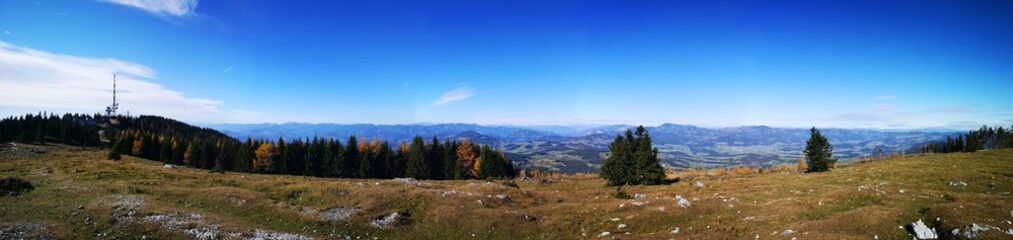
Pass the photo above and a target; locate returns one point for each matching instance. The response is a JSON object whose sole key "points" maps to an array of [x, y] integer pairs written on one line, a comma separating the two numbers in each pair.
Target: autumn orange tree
{"points": [[264, 160]]}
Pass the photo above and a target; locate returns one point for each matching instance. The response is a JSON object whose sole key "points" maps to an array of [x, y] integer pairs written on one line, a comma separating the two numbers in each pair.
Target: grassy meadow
{"points": [[80, 195]]}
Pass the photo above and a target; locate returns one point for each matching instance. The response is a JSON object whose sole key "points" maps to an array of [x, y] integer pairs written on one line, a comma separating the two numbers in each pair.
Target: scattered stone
{"points": [[503, 197], [787, 232], [699, 184], [124, 206], [682, 201], [974, 230], [638, 204], [614, 219], [417, 183], [621, 226], [449, 193], [923, 232], [662, 208], [639, 196], [390, 220], [24, 230], [267, 234], [901, 191], [957, 184], [167, 166], [675, 230], [604, 234], [337, 213]]}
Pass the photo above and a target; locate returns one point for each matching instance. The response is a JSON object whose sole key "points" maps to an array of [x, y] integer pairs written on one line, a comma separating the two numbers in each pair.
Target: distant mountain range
{"points": [[582, 148]]}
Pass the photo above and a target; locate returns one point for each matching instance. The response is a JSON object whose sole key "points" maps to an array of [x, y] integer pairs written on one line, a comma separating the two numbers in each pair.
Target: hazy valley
{"points": [[581, 148]]}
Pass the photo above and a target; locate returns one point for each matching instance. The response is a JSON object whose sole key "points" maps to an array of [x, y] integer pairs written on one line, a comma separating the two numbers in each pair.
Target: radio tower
{"points": [[111, 109]]}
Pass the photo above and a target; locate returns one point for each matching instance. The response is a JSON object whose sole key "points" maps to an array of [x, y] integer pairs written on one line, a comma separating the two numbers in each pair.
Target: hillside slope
{"points": [[80, 195]]}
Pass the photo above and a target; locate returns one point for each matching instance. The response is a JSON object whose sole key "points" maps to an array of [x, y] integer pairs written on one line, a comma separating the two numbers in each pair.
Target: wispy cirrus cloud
{"points": [[175, 8], [455, 95], [33, 79], [885, 97]]}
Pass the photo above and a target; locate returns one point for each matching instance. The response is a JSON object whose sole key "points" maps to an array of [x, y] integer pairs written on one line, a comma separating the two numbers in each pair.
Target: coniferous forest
{"points": [[174, 142], [985, 137]]}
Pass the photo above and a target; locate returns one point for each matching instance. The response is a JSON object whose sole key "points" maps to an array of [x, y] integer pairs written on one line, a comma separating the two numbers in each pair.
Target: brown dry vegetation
{"points": [[77, 193]]}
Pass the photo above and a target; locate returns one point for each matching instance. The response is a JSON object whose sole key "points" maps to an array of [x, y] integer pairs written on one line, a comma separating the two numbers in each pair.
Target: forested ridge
{"points": [[173, 142]]}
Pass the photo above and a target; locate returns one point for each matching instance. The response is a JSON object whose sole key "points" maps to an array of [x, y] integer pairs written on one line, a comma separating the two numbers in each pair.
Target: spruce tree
{"points": [[435, 159], [350, 168], [615, 167], [490, 165], [818, 152], [417, 166], [314, 158], [647, 166]]}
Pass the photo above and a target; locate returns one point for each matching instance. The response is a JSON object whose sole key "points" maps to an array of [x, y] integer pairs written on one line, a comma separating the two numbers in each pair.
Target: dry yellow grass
{"points": [[857, 201]]}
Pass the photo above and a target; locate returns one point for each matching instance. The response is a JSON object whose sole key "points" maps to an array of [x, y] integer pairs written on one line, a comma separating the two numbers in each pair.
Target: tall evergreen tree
{"points": [[351, 158], [615, 167], [417, 167], [244, 158], [818, 152], [647, 166], [435, 158], [315, 158]]}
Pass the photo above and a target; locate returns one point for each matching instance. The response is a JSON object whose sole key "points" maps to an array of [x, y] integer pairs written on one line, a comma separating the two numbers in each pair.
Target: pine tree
{"points": [[647, 166], [351, 158], [369, 155], [489, 165], [384, 155], [615, 167], [165, 152], [435, 160], [417, 166], [818, 152], [314, 158], [335, 155], [244, 158], [452, 169], [396, 166]]}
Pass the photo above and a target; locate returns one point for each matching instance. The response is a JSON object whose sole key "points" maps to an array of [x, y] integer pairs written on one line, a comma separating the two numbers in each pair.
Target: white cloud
{"points": [[33, 79], [176, 8], [227, 70], [455, 95], [885, 97]]}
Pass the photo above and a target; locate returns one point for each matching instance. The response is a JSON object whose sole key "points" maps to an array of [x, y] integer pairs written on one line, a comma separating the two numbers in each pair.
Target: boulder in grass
{"points": [[682, 201], [922, 231], [390, 220]]}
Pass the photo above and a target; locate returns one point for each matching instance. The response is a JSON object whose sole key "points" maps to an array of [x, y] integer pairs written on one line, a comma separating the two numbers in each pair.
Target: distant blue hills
{"points": [[581, 148]]}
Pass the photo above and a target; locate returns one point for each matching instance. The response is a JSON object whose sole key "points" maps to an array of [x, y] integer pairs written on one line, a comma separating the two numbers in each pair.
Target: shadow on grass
{"points": [[671, 181]]}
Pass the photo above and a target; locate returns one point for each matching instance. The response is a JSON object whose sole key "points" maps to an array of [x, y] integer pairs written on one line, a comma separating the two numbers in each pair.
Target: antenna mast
{"points": [[111, 110]]}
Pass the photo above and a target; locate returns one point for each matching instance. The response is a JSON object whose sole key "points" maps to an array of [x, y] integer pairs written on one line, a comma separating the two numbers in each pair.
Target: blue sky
{"points": [[850, 64]]}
